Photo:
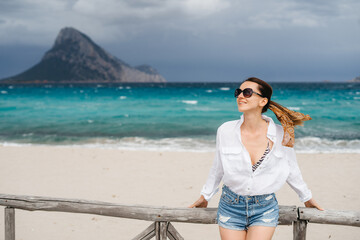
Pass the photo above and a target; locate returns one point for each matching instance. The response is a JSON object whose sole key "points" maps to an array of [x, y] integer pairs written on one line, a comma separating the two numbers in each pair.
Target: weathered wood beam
{"points": [[162, 216], [350, 218], [157, 231], [161, 232], [147, 234], [142, 212], [173, 234], [299, 230], [9, 223], [287, 214]]}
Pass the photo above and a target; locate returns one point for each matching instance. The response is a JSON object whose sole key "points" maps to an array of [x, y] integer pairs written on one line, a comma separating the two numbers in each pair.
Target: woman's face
{"points": [[253, 103]]}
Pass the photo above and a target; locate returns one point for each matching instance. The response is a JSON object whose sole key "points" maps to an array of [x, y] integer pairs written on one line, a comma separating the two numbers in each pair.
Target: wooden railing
{"points": [[161, 228]]}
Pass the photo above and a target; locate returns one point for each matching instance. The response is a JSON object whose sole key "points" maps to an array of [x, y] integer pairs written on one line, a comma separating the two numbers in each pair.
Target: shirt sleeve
{"points": [[295, 179], [215, 175]]}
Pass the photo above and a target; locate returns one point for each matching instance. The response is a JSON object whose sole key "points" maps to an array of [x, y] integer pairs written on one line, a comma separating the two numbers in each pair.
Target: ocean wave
{"points": [[135, 144], [224, 88], [321, 145], [190, 101], [302, 145], [294, 108], [27, 134], [201, 109]]}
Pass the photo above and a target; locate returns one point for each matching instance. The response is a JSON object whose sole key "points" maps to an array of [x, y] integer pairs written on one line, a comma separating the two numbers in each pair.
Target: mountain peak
{"points": [[71, 43], [69, 33], [74, 57]]}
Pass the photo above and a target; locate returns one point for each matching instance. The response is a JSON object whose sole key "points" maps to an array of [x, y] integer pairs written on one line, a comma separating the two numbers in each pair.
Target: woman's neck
{"points": [[253, 122]]}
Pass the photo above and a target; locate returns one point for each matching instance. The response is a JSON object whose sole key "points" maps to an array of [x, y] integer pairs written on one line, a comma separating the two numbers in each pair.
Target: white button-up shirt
{"points": [[232, 164]]}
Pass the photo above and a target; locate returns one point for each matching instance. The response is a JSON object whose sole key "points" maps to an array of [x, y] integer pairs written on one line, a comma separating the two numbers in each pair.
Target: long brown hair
{"points": [[288, 118]]}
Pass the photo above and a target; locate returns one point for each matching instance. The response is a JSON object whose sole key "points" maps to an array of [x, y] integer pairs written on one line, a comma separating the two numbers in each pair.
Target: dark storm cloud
{"points": [[184, 38], [8, 6], [105, 19]]}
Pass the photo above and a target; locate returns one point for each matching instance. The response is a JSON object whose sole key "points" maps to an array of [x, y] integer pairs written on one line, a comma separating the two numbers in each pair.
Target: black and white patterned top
{"points": [[254, 167]]}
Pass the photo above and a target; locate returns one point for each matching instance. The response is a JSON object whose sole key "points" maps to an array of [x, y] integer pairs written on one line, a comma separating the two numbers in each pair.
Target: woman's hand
{"points": [[312, 204], [200, 203]]}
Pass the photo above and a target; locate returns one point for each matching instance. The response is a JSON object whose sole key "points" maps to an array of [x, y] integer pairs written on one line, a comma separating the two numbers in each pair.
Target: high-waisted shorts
{"points": [[240, 212]]}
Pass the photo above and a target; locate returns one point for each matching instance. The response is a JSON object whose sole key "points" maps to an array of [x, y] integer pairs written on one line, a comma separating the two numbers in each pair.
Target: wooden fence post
{"points": [[299, 230], [9, 223], [172, 234], [147, 234], [161, 230]]}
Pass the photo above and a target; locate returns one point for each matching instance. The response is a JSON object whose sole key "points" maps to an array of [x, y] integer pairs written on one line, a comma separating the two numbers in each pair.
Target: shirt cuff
{"points": [[208, 196], [307, 197]]}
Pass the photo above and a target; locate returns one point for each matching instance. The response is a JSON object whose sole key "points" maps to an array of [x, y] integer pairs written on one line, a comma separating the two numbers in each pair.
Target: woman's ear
{"points": [[263, 102]]}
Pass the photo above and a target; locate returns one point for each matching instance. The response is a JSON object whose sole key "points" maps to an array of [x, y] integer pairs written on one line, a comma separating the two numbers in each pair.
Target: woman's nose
{"points": [[240, 95]]}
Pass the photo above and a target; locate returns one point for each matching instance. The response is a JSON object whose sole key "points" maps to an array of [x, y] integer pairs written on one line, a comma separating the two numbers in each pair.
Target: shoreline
{"points": [[323, 146], [157, 178]]}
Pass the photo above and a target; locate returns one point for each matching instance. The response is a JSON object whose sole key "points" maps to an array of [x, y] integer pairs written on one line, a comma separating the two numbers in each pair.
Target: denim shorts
{"points": [[240, 212]]}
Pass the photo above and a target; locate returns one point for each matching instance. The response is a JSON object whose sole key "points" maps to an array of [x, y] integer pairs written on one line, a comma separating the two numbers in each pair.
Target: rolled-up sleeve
{"points": [[216, 173], [295, 179]]}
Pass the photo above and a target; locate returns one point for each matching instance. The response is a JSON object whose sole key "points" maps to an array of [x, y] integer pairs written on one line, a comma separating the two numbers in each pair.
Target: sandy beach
{"points": [[158, 178]]}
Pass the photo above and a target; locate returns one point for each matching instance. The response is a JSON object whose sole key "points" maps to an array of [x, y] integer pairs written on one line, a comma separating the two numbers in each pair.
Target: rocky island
{"points": [[75, 58], [356, 80]]}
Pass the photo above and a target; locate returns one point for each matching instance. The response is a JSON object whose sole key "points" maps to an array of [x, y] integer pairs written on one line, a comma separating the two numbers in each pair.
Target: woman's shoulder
{"points": [[279, 129], [283, 137]]}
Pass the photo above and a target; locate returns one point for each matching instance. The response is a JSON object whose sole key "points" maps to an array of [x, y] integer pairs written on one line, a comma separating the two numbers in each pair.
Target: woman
{"points": [[254, 158]]}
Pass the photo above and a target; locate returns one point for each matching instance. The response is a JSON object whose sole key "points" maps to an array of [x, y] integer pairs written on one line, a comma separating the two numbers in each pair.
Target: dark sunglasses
{"points": [[247, 92]]}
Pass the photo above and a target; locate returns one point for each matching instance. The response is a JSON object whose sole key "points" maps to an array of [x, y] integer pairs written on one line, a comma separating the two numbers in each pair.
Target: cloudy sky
{"points": [[196, 40]]}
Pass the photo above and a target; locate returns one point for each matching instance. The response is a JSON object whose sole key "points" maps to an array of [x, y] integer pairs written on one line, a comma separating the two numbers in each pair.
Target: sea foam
{"points": [[302, 145], [190, 101]]}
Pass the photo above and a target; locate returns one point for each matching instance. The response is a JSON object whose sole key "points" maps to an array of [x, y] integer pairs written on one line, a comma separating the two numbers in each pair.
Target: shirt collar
{"points": [[271, 132]]}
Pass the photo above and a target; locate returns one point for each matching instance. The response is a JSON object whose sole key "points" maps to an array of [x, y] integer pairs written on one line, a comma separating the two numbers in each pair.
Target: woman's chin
{"points": [[241, 109]]}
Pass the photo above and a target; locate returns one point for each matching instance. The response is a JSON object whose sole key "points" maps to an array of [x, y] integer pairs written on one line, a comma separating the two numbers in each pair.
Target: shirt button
{"points": [[248, 188]]}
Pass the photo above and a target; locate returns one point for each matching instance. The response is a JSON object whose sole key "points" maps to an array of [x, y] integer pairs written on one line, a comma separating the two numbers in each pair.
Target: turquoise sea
{"points": [[168, 116]]}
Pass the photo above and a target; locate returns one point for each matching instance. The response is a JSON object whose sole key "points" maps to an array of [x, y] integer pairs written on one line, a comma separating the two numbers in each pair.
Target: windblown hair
{"points": [[288, 118]]}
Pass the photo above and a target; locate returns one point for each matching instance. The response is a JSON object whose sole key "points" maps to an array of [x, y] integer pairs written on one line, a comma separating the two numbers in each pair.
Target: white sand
{"points": [[171, 179]]}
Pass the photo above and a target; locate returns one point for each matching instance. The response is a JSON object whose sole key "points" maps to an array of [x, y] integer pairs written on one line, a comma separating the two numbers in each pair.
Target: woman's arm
{"points": [[210, 188], [215, 175], [295, 179], [297, 183]]}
